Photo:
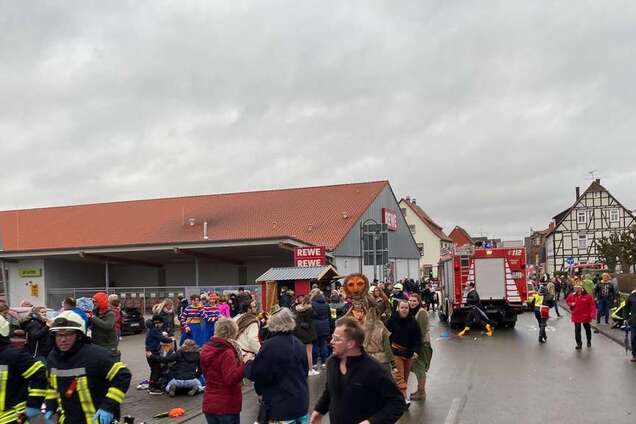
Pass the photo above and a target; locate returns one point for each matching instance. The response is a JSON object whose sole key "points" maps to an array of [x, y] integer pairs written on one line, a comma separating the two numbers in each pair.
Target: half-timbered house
{"points": [[578, 229]]}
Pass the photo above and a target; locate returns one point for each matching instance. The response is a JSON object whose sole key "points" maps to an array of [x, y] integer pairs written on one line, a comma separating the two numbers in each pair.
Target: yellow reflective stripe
{"points": [[115, 394], [4, 377], [33, 369], [53, 378], [20, 407], [9, 417], [38, 392], [85, 398], [51, 394], [114, 370]]}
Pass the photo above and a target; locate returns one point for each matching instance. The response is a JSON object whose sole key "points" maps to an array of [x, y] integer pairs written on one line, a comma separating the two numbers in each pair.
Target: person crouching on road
{"points": [[279, 371], [359, 389], [535, 301], [223, 368], [583, 311], [185, 371], [406, 340], [87, 384], [154, 337], [423, 356]]}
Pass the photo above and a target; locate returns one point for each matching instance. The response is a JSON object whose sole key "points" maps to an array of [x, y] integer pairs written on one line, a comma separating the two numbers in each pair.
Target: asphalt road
{"points": [[477, 379]]}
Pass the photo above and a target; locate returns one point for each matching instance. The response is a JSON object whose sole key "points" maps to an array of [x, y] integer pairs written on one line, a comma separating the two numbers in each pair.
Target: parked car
{"points": [[132, 321]]}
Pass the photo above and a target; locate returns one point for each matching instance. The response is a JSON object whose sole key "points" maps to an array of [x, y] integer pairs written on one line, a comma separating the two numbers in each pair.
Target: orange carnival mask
{"points": [[356, 285]]}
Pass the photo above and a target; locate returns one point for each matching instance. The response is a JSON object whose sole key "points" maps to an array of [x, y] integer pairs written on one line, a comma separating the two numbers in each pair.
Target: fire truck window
{"points": [[465, 261]]}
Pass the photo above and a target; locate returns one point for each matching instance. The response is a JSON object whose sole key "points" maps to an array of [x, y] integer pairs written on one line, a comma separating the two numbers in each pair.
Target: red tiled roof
{"points": [[460, 236], [432, 225], [313, 215]]}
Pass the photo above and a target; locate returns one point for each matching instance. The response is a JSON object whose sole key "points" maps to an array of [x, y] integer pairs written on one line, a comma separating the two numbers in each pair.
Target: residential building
{"points": [[460, 237], [577, 230], [428, 235]]}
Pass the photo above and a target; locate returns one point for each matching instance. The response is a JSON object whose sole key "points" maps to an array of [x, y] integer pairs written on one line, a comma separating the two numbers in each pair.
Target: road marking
{"points": [[455, 410]]}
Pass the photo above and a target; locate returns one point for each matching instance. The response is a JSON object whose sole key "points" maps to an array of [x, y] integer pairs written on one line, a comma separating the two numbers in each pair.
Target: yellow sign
{"points": [[30, 272], [35, 290]]}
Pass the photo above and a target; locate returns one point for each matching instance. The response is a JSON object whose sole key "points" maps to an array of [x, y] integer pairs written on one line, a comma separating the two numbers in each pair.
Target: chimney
{"points": [[413, 200], [578, 193], [598, 181], [408, 198]]}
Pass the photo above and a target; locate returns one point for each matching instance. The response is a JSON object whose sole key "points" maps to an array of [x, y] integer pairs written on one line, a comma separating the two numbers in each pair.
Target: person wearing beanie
{"points": [[24, 380], [103, 324], [87, 383]]}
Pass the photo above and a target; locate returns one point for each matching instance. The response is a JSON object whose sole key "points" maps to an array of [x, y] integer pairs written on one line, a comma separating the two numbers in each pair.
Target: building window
{"points": [[412, 229], [420, 247], [581, 217], [614, 215], [582, 241], [403, 210], [537, 241]]}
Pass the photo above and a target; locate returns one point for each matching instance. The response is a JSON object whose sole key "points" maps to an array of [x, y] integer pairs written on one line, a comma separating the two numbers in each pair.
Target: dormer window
{"points": [[581, 217]]}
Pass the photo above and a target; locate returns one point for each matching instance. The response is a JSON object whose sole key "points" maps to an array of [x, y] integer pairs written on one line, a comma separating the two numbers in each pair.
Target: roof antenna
{"points": [[593, 173]]}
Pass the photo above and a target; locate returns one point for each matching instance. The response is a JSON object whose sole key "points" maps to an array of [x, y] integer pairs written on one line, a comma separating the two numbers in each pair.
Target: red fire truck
{"points": [[500, 279]]}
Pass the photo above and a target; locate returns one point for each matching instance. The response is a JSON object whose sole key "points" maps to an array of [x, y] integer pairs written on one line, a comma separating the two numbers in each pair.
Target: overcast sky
{"points": [[489, 113]]}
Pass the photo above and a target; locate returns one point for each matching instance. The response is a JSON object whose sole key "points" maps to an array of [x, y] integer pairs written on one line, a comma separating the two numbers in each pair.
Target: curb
{"points": [[601, 330]]}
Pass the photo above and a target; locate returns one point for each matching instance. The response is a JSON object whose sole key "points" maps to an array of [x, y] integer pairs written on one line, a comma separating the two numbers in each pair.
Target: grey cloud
{"points": [[488, 113]]}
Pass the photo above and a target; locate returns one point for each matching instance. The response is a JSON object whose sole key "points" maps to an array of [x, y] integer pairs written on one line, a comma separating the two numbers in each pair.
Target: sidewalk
{"points": [[613, 334]]}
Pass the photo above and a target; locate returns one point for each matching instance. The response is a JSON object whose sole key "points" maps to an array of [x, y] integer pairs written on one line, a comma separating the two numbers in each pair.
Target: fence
{"points": [[144, 298]]}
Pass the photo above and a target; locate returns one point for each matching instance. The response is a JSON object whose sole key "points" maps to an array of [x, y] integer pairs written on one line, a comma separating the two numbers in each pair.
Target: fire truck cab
{"points": [[499, 275]]}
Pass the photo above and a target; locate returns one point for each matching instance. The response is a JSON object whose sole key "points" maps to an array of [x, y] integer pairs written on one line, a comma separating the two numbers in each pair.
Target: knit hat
{"points": [[101, 301]]}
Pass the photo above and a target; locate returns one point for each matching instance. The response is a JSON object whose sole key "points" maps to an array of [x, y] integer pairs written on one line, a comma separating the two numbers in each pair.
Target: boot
{"points": [[489, 330], [464, 331], [421, 390]]}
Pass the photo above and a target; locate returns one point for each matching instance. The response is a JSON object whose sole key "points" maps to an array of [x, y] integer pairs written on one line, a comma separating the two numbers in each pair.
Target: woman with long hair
{"points": [[422, 362], [305, 330]]}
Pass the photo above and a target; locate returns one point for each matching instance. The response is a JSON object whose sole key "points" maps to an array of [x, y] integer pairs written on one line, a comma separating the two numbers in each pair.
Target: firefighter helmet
{"points": [[69, 320]]}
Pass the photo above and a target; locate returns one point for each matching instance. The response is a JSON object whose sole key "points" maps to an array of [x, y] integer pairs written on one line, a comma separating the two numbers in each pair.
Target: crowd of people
{"points": [[369, 339]]}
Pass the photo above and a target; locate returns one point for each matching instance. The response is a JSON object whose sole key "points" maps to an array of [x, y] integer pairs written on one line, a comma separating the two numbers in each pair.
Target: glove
{"points": [[47, 417], [32, 412], [103, 417]]}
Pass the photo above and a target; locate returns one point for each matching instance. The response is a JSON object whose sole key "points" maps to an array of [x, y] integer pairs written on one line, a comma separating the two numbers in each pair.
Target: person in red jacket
{"points": [[583, 311], [222, 366]]}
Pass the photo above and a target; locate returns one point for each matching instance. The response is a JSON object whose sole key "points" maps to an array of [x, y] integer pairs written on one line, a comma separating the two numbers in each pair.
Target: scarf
{"points": [[245, 321]]}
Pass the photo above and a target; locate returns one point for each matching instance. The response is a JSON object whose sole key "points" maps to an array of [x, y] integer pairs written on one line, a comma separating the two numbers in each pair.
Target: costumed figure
{"points": [[211, 314], [192, 324], [376, 336]]}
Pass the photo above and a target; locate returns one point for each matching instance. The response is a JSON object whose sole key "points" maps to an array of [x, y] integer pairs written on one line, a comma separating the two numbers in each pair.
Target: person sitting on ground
{"points": [[154, 337], [184, 371], [223, 368]]}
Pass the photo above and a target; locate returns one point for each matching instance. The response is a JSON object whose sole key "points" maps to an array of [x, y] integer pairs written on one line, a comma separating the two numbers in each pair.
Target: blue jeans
{"points": [[320, 349], [183, 384], [603, 310], [222, 419]]}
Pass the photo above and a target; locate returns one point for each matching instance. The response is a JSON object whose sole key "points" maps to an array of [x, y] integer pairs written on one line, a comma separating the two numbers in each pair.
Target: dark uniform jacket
{"points": [[83, 380], [22, 382], [366, 392]]}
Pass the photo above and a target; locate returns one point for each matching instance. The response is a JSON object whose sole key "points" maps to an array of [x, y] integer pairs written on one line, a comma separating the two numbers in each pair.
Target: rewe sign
{"points": [[309, 256]]}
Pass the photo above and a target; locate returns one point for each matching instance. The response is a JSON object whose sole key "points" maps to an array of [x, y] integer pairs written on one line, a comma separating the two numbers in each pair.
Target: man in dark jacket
{"points": [[86, 383], [359, 389], [24, 380], [629, 313], [279, 371], [154, 337], [604, 296]]}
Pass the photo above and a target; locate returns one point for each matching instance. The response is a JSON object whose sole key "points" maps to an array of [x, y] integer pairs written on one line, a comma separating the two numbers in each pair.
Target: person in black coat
{"points": [[358, 389], [406, 340], [279, 371], [322, 325], [305, 330], [38, 338]]}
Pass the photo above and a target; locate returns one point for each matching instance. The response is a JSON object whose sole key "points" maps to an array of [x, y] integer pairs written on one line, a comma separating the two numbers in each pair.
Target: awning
{"points": [[298, 273]]}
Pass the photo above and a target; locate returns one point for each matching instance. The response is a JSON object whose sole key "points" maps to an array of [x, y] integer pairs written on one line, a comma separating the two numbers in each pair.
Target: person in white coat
{"points": [[249, 327]]}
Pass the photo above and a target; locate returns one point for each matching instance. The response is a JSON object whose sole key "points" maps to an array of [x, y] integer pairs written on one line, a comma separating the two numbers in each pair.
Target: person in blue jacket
{"points": [[279, 371]]}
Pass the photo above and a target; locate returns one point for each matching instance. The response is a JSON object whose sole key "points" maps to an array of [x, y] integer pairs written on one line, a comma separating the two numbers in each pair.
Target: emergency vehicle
{"points": [[499, 275]]}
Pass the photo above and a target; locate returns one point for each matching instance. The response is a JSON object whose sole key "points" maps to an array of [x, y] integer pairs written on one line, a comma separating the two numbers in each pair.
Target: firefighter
{"points": [[86, 382], [475, 315], [22, 381], [535, 301]]}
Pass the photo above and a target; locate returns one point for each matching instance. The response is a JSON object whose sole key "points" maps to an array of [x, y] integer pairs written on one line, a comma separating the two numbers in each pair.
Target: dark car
{"points": [[132, 321]]}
